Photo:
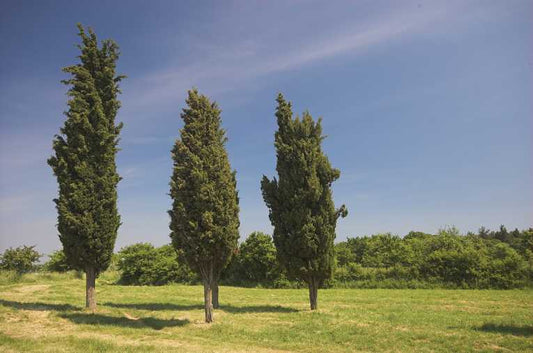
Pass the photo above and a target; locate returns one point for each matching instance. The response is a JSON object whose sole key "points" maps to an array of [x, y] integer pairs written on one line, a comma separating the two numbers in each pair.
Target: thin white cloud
{"points": [[353, 40], [231, 67]]}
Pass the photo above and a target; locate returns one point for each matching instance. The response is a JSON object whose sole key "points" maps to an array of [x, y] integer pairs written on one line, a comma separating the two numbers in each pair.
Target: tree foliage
{"points": [[144, 264], [22, 259], [300, 202], [255, 262], [84, 160], [446, 259], [57, 262], [204, 220]]}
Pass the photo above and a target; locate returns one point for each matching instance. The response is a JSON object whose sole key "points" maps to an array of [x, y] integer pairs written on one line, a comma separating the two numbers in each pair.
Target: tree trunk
{"points": [[207, 301], [215, 294], [90, 288], [313, 293]]}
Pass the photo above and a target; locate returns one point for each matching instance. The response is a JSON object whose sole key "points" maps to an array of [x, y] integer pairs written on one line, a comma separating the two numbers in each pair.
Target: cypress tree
{"points": [[84, 161], [300, 203], [204, 220]]}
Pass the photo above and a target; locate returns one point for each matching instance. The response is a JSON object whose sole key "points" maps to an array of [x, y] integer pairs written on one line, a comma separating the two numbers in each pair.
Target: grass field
{"points": [[44, 313]]}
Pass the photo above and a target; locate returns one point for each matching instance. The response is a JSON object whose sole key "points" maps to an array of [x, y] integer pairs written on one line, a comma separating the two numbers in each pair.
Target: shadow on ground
{"points": [[179, 307], [76, 315], [154, 306], [38, 306], [525, 331], [100, 319], [257, 309]]}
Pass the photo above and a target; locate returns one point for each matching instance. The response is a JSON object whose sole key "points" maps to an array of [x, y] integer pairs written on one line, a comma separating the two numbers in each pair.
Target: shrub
{"points": [[448, 259], [255, 262], [507, 269], [57, 262], [143, 264], [21, 260]]}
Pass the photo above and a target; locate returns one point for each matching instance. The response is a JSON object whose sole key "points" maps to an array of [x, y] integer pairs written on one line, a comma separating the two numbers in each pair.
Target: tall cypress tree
{"points": [[84, 161], [300, 202], [204, 220]]}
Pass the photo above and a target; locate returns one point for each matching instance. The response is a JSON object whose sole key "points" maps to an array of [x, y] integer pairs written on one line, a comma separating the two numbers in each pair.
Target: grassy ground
{"points": [[44, 313]]}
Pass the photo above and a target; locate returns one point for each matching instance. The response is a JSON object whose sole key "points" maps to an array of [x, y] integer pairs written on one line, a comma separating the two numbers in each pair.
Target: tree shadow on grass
{"points": [[150, 306], [154, 306], [38, 306], [100, 319], [257, 309], [179, 307], [525, 331], [77, 316]]}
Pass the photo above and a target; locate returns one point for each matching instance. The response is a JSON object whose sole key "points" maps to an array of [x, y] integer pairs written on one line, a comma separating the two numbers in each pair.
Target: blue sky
{"points": [[426, 104]]}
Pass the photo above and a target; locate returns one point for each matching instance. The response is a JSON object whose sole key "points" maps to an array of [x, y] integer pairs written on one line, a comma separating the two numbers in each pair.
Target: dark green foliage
{"points": [[144, 264], [255, 263], [257, 258], [57, 262], [418, 260], [22, 259], [344, 253], [204, 216], [204, 220], [447, 259], [521, 241], [300, 203], [506, 269], [84, 160]]}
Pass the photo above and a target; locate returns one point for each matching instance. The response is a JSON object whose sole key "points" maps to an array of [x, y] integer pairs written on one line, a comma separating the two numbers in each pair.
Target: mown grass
{"points": [[44, 313]]}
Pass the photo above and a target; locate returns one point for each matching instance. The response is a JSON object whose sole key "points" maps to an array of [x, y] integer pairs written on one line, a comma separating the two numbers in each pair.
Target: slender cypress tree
{"points": [[84, 161], [204, 220], [300, 203]]}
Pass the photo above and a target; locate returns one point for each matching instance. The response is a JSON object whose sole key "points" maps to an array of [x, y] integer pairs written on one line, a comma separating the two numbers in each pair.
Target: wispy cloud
{"points": [[351, 40], [232, 67]]}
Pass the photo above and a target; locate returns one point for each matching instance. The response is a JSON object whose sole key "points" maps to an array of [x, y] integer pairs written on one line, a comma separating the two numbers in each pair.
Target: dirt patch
{"points": [[31, 288], [129, 317]]}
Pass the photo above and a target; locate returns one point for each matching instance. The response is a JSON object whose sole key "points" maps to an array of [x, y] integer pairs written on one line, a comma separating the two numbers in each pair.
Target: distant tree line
{"points": [[499, 259], [488, 259]]}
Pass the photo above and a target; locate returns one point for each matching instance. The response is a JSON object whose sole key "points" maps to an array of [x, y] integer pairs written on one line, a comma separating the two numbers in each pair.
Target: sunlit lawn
{"points": [[44, 313]]}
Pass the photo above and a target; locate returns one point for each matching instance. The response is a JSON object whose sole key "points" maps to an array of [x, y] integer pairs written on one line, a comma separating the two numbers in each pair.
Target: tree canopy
{"points": [[84, 157], [300, 202], [204, 220]]}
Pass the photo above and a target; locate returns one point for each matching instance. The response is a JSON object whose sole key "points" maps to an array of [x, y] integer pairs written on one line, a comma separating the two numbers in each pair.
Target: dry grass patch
{"points": [[31, 288]]}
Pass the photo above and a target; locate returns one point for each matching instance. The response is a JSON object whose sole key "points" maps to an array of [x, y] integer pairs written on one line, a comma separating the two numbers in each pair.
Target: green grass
{"points": [[44, 313]]}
